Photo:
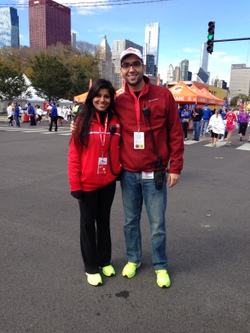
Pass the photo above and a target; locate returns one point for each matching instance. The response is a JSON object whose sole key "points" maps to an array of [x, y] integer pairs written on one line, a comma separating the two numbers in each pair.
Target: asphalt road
{"points": [[42, 281]]}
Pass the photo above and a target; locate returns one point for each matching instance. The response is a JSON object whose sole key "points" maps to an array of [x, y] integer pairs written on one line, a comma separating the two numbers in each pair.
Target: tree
{"points": [[242, 97], [50, 77], [12, 83]]}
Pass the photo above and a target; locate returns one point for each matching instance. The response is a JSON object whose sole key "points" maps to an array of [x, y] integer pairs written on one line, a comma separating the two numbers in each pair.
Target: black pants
{"points": [[53, 120], [185, 129], [95, 237]]}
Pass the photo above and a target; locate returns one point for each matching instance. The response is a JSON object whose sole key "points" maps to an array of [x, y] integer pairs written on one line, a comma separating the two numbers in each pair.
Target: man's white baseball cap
{"points": [[131, 51]]}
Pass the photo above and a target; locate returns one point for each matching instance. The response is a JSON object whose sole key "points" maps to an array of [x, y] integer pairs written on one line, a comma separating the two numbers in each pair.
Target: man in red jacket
{"points": [[152, 144]]}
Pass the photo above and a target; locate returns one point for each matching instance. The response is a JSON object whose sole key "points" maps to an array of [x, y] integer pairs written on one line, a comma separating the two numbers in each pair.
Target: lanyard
{"points": [[138, 107], [101, 133]]}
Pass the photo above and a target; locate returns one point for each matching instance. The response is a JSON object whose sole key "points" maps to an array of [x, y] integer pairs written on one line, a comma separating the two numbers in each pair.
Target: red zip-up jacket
{"points": [[165, 123], [83, 171]]}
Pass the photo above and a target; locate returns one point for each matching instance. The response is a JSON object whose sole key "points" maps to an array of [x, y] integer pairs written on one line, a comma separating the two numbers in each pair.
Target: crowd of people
{"points": [[218, 123], [36, 115]]}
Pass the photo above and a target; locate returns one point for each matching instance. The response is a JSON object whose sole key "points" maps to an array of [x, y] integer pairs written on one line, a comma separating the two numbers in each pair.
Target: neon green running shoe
{"points": [[108, 270], [94, 279], [163, 279], [129, 269]]}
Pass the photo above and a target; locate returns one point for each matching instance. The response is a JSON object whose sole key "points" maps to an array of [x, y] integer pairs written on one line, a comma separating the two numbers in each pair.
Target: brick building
{"points": [[49, 23]]}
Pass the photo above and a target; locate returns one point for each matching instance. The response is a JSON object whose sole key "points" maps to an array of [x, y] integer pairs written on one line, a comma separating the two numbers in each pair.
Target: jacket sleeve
{"points": [[74, 166], [175, 138]]}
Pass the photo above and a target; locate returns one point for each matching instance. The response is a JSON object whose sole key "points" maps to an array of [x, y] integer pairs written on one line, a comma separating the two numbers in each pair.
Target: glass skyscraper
{"points": [[151, 47], [9, 27]]}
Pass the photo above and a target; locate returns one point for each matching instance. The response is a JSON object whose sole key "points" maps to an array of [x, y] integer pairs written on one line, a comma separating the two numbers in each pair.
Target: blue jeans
{"points": [[196, 125], [204, 127], [135, 190]]}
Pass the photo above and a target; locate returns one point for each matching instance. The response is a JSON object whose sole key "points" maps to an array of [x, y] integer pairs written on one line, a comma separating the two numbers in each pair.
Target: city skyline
{"points": [[183, 29]]}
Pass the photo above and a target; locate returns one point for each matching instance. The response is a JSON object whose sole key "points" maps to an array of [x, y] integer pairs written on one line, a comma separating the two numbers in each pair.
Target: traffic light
{"points": [[210, 37]]}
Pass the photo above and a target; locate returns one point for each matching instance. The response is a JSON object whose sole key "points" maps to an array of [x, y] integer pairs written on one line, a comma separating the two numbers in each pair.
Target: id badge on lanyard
{"points": [[102, 161]]}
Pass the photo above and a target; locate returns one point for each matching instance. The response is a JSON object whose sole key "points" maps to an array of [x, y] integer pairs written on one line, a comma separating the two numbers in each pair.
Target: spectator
{"points": [[185, 117], [230, 124], [16, 114], [10, 114], [217, 126], [53, 117], [31, 113], [196, 116], [243, 122], [207, 113]]}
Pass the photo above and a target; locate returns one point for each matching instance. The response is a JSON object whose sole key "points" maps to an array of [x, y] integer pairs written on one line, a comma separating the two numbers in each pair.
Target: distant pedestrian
{"points": [[17, 114], [217, 126], [207, 114], [185, 118], [31, 113], [10, 114], [243, 118], [53, 116], [196, 116], [230, 124]]}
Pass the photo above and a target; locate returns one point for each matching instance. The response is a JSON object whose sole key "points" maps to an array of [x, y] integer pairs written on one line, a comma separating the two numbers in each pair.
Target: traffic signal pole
{"points": [[231, 40]]}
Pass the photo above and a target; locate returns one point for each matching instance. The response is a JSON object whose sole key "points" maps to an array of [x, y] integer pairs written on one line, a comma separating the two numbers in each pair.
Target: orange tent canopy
{"points": [[81, 98], [211, 98], [183, 94]]}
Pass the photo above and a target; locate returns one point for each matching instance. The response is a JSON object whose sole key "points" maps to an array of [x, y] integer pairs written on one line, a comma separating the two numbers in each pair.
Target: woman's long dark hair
{"points": [[84, 118]]}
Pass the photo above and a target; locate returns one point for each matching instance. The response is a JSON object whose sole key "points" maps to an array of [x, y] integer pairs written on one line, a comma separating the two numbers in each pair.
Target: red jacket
{"points": [[83, 161], [165, 122]]}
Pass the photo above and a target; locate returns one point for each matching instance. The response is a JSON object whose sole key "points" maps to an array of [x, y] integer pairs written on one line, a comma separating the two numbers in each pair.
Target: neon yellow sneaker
{"points": [[163, 279], [94, 279], [108, 270], [129, 269]]}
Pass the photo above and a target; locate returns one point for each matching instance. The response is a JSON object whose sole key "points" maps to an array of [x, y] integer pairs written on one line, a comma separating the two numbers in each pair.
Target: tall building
{"points": [[203, 74], [151, 47], [49, 23], [9, 27], [117, 47], [239, 80], [170, 73], [184, 70], [73, 40], [106, 67]]}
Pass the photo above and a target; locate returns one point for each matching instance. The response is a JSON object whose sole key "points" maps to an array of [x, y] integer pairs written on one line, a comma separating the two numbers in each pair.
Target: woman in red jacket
{"points": [[93, 166]]}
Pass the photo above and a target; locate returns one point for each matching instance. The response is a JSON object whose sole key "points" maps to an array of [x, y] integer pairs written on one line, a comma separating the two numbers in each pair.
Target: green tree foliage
{"points": [[244, 98], [59, 71], [12, 83], [50, 77]]}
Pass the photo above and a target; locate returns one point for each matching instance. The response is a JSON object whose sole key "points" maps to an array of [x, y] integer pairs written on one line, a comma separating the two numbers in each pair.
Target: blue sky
{"points": [[183, 25]]}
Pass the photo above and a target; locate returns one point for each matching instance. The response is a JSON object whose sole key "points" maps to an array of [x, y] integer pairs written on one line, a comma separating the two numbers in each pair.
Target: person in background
{"points": [[75, 110], [223, 112], [196, 116], [16, 114], [207, 113], [93, 166], [230, 119], [243, 118], [53, 116], [217, 126], [31, 113], [10, 114], [185, 117], [181, 107], [39, 114], [60, 114]]}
